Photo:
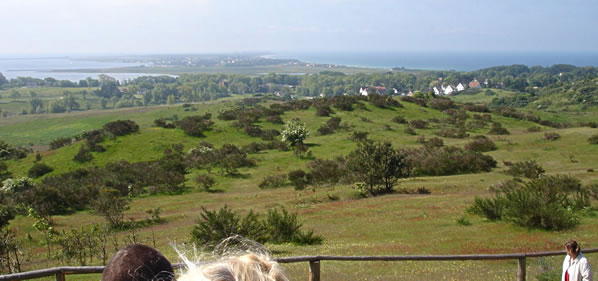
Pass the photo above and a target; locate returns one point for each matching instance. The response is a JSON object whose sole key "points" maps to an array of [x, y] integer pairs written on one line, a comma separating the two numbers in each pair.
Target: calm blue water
{"points": [[40, 67], [460, 61]]}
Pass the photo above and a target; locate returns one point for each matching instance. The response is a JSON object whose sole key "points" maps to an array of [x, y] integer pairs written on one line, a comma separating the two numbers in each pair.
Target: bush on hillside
{"points": [[60, 142], [38, 170], [447, 160], [284, 227], [399, 119], [441, 103], [162, 123], [457, 133], [379, 166], [195, 125], [324, 171], [298, 179], [534, 129], [529, 169], [212, 227], [548, 202], [273, 181], [418, 124], [418, 101], [593, 139], [8, 152], [274, 119], [498, 129], [205, 181], [410, 131], [358, 136], [84, 155], [481, 144], [121, 127], [551, 136]]}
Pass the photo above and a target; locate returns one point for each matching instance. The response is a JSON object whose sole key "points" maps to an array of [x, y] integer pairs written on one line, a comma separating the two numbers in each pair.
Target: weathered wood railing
{"points": [[314, 263]]}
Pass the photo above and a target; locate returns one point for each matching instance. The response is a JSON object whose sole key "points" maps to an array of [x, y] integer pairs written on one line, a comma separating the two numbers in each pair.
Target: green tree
{"points": [[14, 94], [112, 206], [36, 104], [378, 165], [171, 99], [3, 80], [294, 132]]}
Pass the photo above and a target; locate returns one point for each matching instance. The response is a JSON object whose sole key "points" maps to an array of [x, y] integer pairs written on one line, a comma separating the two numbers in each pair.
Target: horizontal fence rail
{"points": [[314, 263]]}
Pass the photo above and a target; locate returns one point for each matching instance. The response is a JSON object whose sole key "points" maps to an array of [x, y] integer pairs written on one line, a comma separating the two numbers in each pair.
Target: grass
{"points": [[396, 224]]}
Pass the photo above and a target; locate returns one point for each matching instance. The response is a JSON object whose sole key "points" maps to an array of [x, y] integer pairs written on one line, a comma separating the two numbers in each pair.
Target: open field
{"points": [[396, 224]]}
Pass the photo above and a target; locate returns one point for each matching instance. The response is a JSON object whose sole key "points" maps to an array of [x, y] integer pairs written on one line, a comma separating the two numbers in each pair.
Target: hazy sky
{"points": [[199, 26]]}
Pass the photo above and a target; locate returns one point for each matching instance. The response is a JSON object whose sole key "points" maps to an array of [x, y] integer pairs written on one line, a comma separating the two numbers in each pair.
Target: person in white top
{"points": [[576, 266]]}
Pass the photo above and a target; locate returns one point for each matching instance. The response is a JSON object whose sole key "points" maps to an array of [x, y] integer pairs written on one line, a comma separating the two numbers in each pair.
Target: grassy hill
{"points": [[395, 224]]}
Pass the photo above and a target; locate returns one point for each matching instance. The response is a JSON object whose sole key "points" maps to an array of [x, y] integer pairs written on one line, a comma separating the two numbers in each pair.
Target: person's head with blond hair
{"points": [[248, 267], [239, 259]]}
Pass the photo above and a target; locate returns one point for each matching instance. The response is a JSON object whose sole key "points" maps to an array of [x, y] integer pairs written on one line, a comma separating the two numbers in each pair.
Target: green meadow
{"points": [[395, 224]]}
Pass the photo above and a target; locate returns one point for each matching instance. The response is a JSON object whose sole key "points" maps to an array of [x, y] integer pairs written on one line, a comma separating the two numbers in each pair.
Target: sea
{"points": [[458, 61], [44, 66]]}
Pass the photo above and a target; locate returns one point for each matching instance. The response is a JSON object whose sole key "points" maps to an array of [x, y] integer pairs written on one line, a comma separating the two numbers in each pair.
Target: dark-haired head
{"points": [[138, 263], [573, 248]]}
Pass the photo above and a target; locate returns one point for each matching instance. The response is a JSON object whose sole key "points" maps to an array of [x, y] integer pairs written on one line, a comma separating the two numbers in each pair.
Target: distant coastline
{"points": [[458, 61]]}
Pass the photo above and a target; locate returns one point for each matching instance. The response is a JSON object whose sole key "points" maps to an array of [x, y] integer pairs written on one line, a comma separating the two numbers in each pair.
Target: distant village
{"points": [[441, 89]]}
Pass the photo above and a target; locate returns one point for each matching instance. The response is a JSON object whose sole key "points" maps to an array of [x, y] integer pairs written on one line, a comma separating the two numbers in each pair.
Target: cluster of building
{"points": [[446, 90], [440, 90]]}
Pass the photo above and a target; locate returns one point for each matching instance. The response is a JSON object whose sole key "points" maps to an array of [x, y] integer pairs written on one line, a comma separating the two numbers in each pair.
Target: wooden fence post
{"points": [[314, 271], [521, 270], [60, 276]]}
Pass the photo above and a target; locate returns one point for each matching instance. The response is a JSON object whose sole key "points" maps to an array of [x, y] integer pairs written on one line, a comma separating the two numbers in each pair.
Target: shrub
{"points": [[463, 221], [457, 133], [593, 139], [434, 142], [343, 102], [275, 119], [253, 130], [273, 181], [84, 155], [111, 205], [324, 171], [529, 169], [205, 181], [483, 117], [282, 226], [60, 142], [497, 129], [399, 119], [441, 104], [298, 179], [325, 130], [212, 227], [418, 101], [8, 152], [121, 127], [195, 125], [163, 124], [38, 170], [549, 202], [447, 160], [358, 136], [481, 144], [322, 108], [551, 136], [270, 134], [418, 124], [534, 129], [230, 158], [476, 107], [293, 132], [379, 166], [410, 131]]}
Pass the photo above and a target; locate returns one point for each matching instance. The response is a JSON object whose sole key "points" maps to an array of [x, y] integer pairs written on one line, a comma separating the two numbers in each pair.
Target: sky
{"points": [[223, 26]]}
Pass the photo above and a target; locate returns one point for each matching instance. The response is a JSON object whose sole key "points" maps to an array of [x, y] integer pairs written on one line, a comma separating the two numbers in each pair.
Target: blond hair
{"points": [[236, 259], [248, 267]]}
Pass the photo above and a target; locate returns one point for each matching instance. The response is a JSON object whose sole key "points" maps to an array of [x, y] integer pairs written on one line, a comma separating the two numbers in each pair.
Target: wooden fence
{"points": [[314, 263]]}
